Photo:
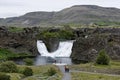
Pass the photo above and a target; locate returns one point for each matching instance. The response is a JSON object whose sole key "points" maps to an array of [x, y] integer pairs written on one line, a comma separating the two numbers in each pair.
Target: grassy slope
{"points": [[113, 68], [38, 71], [7, 54], [88, 76], [4, 53]]}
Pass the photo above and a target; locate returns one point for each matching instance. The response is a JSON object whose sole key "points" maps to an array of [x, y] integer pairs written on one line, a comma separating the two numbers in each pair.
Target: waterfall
{"points": [[64, 49]]}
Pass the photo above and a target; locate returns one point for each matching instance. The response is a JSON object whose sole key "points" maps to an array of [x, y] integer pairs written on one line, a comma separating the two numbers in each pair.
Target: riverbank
{"points": [[39, 72], [6, 54], [112, 68], [93, 76]]}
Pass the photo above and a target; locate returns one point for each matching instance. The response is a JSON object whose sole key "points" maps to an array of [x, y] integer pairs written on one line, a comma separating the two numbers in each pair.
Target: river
{"points": [[61, 55]]}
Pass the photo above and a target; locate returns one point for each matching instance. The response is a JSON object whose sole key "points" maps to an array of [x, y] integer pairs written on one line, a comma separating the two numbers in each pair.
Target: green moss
{"points": [[66, 34], [50, 34], [61, 34], [7, 54], [15, 29]]}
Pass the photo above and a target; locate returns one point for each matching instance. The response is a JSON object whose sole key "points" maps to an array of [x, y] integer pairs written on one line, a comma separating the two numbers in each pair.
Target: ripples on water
{"points": [[41, 60]]}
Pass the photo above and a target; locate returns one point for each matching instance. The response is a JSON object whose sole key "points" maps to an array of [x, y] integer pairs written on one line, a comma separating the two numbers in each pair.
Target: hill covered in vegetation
{"points": [[78, 14]]}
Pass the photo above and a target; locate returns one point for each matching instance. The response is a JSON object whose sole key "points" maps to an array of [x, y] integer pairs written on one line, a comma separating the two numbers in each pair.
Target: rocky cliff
{"points": [[91, 41], [21, 42], [52, 44]]}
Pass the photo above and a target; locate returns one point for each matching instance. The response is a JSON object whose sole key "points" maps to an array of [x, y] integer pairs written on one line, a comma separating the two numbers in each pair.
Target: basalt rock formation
{"points": [[21, 42], [90, 41], [52, 44]]}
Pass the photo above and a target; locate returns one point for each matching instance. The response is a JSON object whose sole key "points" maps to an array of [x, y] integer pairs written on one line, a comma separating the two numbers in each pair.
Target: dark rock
{"points": [[85, 49], [51, 44], [20, 42], [54, 30]]}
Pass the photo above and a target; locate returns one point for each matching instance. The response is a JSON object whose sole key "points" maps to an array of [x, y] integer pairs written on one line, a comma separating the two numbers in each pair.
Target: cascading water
{"points": [[60, 56], [64, 49]]}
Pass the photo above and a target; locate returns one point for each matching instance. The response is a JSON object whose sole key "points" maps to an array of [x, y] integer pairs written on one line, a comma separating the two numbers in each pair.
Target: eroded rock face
{"points": [[52, 44], [86, 48], [22, 42]]}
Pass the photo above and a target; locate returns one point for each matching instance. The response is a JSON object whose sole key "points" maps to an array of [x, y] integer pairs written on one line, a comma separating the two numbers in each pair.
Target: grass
{"points": [[37, 69], [15, 29], [113, 68], [7, 54], [88, 76], [39, 73], [4, 53], [15, 76]]}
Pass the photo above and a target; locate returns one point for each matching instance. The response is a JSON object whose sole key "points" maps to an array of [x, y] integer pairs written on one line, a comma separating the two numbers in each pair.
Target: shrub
{"points": [[8, 66], [6, 53], [28, 61], [28, 71], [62, 34], [66, 34], [15, 29], [50, 35], [103, 58], [51, 71], [4, 76]]}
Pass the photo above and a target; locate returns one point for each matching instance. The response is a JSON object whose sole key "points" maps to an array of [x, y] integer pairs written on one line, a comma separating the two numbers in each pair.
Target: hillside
{"points": [[80, 14]]}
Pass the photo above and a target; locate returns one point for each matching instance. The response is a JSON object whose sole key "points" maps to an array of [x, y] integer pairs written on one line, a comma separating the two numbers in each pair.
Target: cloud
{"points": [[10, 3]]}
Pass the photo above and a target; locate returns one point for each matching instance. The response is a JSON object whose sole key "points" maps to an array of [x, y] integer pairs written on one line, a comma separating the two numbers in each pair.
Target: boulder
{"points": [[52, 43]]}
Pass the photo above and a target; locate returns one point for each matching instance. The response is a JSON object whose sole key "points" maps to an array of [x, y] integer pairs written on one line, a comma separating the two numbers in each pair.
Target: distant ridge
{"points": [[78, 14]]}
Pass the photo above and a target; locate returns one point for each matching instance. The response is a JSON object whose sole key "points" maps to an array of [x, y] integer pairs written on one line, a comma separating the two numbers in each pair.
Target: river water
{"points": [[61, 55]]}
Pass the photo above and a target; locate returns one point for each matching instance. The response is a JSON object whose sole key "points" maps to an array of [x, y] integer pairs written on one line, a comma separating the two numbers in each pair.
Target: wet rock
{"points": [[52, 44]]}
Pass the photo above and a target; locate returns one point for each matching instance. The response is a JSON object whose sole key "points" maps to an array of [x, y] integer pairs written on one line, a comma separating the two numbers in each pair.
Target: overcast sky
{"points": [[10, 8]]}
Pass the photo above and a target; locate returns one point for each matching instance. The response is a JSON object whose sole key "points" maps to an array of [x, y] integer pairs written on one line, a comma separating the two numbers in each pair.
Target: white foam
{"points": [[64, 49]]}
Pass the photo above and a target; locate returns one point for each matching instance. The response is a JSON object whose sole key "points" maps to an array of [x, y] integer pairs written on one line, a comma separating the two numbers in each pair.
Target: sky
{"points": [[12, 8]]}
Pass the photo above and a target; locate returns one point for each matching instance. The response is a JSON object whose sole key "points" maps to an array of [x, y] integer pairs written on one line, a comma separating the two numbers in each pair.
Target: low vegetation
{"points": [[8, 66], [91, 76], [50, 34], [17, 72], [41, 72], [112, 68], [51, 71], [61, 34], [28, 61], [103, 58], [4, 76], [28, 71], [15, 29], [6, 54]]}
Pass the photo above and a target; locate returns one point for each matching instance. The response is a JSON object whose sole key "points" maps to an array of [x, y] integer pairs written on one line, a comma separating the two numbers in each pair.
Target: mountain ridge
{"points": [[82, 14]]}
